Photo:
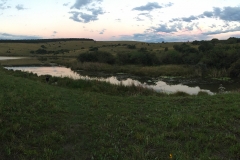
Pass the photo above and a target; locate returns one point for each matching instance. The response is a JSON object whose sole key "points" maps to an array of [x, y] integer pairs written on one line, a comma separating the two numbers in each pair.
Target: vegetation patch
{"points": [[82, 120]]}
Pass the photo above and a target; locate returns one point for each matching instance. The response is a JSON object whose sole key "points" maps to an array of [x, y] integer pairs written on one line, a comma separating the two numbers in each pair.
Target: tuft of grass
{"points": [[179, 93], [202, 93]]}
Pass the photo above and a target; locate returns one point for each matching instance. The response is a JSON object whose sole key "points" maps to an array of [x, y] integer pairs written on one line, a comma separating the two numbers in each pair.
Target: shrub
{"points": [[41, 51], [43, 46], [131, 47], [97, 56], [93, 49], [234, 70], [142, 58]]}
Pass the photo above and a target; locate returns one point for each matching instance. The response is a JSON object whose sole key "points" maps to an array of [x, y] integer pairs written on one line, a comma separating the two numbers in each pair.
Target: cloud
{"points": [[236, 28], [81, 3], [158, 38], [148, 15], [148, 7], [66, 4], [189, 19], [89, 11], [226, 14], [143, 37], [169, 4], [13, 36], [102, 32], [207, 14], [85, 17], [139, 19], [3, 5], [148, 37], [167, 29], [20, 7], [54, 33], [192, 26]]}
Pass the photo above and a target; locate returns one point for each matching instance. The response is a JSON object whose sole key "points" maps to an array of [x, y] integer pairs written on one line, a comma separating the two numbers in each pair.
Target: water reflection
{"points": [[2, 58], [53, 71], [157, 85]]}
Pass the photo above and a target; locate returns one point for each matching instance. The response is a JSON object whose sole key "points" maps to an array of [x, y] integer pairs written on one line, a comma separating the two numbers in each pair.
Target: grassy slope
{"points": [[41, 121]]}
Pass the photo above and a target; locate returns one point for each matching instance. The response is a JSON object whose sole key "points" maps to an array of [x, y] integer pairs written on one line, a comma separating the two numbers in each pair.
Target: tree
{"points": [[215, 41], [205, 46]]}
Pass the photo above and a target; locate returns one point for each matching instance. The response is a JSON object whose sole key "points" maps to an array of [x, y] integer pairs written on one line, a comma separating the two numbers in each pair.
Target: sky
{"points": [[120, 20]]}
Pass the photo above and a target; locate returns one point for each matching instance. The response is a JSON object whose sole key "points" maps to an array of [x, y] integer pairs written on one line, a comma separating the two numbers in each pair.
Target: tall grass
{"points": [[217, 73]]}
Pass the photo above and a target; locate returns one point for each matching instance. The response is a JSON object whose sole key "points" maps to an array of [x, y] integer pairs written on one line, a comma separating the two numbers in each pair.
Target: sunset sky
{"points": [[108, 20]]}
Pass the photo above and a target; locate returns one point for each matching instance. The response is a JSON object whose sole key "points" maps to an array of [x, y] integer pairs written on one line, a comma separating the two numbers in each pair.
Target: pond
{"points": [[167, 85], [2, 58]]}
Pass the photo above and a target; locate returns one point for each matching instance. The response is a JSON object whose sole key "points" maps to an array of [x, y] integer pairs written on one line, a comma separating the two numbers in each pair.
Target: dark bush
{"points": [[87, 57], [93, 49], [234, 70], [123, 58], [131, 47], [41, 51], [142, 58], [143, 49], [43, 46], [205, 46], [184, 48], [97, 56]]}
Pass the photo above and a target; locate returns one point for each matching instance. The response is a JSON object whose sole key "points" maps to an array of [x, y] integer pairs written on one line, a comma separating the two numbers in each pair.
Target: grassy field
{"points": [[72, 49], [77, 47], [81, 120]]}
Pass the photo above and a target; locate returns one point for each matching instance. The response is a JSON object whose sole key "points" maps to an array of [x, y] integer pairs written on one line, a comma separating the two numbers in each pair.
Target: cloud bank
{"points": [[13, 36], [225, 14]]}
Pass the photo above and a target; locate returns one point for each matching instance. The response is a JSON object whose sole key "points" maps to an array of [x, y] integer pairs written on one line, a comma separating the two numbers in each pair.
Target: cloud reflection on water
{"points": [[159, 86]]}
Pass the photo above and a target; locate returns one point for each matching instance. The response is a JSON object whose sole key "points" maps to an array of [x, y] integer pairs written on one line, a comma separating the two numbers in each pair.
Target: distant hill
{"points": [[44, 40]]}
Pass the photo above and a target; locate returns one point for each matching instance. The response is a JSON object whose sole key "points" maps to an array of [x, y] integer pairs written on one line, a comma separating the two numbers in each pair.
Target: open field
{"points": [[39, 120], [77, 47], [94, 120], [211, 59]]}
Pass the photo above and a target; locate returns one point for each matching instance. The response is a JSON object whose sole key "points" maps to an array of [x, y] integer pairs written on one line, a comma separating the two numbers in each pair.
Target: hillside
{"points": [[43, 121]]}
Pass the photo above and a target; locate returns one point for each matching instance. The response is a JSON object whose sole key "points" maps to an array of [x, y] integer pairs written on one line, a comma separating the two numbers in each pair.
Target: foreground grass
{"points": [[42, 121]]}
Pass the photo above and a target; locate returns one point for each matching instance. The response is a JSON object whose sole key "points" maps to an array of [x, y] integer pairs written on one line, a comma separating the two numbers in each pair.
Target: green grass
{"points": [[43, 121], [77, 47]]}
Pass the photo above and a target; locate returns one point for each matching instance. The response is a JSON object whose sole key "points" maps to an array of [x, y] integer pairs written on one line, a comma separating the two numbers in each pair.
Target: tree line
{"points": [[207, 54], [43, 40]]}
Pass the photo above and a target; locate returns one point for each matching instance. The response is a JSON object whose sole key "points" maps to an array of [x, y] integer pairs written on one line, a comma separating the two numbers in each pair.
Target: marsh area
{"points": [[160, 84]]}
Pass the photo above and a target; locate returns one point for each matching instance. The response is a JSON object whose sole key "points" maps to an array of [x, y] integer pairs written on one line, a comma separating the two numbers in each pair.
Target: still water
{"points": [[158, 84], [9, 58]]}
